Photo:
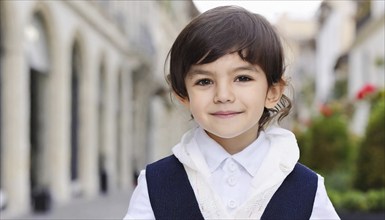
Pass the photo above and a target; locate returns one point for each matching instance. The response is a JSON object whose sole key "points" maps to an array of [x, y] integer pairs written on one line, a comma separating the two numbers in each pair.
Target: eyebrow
{"points": [[199, 71], [248, 67]]}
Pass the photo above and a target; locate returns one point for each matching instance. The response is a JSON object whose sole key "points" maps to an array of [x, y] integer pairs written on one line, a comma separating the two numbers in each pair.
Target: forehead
{"points": [[229, 62]]}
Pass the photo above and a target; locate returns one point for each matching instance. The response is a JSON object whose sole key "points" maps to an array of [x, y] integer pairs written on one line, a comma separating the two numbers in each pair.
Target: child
{"points": [[226, 68]]}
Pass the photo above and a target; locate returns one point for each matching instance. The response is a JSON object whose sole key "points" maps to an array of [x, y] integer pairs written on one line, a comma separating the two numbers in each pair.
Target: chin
{"points": [[225, 135]]}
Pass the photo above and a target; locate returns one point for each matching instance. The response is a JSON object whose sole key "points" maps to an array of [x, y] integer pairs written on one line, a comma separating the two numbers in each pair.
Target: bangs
{"points": [[249, 35], [235, 34]]}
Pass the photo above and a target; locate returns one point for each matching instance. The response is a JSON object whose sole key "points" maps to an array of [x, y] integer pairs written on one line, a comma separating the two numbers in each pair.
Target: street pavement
{"points": [[110, 206]]}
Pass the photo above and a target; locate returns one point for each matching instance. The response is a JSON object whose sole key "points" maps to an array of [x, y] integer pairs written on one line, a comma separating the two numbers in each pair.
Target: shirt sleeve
{"points": [[140, 206], [323, 208]]}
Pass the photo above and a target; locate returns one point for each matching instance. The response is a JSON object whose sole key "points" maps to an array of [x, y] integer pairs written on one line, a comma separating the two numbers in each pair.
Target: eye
{"points": [[243, 79], [204, 82]]}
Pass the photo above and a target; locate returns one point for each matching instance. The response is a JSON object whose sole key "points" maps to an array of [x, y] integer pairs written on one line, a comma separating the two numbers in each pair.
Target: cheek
{"points": [[257, 102], [199, 107], [196, 105]]}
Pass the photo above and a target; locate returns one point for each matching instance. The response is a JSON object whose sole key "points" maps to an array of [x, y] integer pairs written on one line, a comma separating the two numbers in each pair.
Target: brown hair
{"points": [[224, 30]]}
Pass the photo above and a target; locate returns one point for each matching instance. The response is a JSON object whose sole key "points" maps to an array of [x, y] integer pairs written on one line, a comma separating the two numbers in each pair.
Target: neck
{"points": [[236, 144]]}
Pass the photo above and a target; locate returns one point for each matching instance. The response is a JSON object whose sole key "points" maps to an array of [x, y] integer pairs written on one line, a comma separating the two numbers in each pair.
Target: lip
{"points": [[225, 114]]}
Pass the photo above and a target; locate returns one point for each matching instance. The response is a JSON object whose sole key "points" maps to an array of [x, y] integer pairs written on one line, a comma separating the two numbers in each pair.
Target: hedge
{"points": [[370, 171], [358, 201], [326, 145]]}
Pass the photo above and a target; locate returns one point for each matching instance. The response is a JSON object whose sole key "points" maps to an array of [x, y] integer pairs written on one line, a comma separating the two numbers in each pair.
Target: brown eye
{"points": [[242, 79], [203, 82]]}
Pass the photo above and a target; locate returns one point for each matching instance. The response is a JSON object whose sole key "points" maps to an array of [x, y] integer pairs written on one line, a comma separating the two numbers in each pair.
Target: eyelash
{"points": [[243, 79], [204, 82]]}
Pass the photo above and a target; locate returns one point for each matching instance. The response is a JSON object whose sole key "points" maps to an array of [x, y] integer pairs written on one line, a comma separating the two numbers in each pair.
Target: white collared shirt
{"points": [[223, 183], [232, 174]]}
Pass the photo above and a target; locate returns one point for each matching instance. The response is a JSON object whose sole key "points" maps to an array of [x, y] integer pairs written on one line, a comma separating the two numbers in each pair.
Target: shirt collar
{"points": [[250, 158], [213, 153]]}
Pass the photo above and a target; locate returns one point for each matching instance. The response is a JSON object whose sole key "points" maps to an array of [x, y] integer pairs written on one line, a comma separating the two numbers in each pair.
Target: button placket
{"points": [[231, 180], [231, 168]]}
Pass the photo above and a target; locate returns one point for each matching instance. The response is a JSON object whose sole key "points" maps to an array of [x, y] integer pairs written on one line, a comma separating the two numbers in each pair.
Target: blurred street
{"points": [[111, 206], [84, 104]]}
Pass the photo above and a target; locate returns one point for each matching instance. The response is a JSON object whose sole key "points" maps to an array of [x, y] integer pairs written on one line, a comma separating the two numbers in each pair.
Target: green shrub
{"points": [[353, 200], [376, 200], [336, 198], [370, 171], [304, 143], [340, 180], [326, 146]]}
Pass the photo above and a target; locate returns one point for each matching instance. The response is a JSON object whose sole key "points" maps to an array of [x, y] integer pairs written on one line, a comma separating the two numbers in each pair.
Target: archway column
{"points": [[125, 177], [88, 133], [59, 115], [109, 129], [15, 115]]}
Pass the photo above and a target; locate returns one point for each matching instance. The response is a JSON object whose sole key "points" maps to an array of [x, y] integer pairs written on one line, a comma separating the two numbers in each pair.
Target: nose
{"points": [[224, 93]]}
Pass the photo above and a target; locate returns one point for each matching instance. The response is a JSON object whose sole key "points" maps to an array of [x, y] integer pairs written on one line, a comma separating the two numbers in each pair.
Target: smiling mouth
{"points": [[225, 114]]}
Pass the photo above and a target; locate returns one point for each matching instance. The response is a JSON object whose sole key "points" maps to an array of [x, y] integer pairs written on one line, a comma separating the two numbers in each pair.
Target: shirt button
{"points": [[284, 168], [232, 204], [232, 166], [232, 181]]}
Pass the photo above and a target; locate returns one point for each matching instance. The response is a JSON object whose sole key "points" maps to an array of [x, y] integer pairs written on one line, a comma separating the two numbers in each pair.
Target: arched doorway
{"points": [[119, 128], [142, 90], [39, 65], [102, 160], [76, 69]]}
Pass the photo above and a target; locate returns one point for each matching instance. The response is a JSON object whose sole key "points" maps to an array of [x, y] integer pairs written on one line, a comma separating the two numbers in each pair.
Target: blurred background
{"points": [[84, 105]]}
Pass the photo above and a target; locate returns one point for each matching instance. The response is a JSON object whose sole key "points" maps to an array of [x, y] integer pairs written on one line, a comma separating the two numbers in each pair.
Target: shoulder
{"points": [[164, 163], [302, 183], [322, 207], [164, 169], [295, 196], [304, 170], [305, 178]]}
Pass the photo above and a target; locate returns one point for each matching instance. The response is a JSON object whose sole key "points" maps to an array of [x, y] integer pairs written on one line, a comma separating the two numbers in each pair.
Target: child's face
{"points": [[227, 97]]}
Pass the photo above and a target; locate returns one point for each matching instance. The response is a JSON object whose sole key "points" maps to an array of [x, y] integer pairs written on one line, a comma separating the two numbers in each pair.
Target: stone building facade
{"points": [[366, 58], [331, 58], [84, 104], [334, 38]]}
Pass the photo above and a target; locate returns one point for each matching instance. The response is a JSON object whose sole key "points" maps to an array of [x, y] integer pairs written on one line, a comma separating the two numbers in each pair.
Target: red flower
{"points": [[326, 110], [366, 90]]}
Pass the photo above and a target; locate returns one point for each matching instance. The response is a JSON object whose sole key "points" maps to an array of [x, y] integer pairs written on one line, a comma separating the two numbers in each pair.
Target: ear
{"points": [[274, 94], [184, 101]]}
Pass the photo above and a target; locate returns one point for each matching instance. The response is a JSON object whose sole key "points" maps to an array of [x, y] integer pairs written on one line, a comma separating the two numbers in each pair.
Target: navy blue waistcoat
{"points": [[172, 196]]}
